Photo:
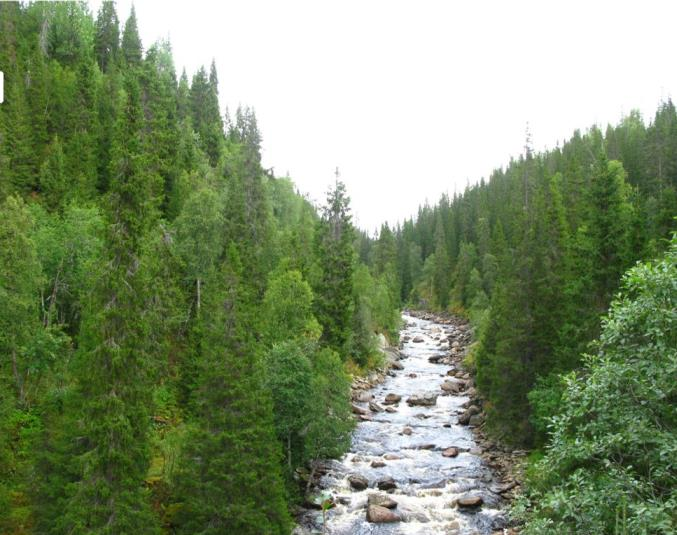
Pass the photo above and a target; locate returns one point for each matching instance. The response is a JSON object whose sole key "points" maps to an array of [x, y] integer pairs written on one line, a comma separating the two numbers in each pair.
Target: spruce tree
{"points": [[334, 287], [113, 364], [229, 480], [107, 36]]}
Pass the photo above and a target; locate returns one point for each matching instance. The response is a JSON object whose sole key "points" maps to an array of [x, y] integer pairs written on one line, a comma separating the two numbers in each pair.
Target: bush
{"points": [[610, 463]]}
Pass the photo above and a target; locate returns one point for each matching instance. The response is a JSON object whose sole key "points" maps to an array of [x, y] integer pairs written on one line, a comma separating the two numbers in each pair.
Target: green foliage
{"points": [[288, 308], [609, 465], [334, 289]]}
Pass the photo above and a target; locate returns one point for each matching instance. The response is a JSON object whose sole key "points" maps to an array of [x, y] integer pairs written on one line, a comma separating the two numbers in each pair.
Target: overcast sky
{"points": [[412, 99]]}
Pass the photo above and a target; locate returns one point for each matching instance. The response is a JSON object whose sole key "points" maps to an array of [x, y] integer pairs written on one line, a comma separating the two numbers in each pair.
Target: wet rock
{"points": [[357, 459], [362, 396], [455, 343], [427, 399], [391, 399], [375, 407], [450, 452], [377, 515], [396, 365], [464, 419], [358, 482], [377, 464], [425, 447], [413, 376], [382, 501], [391, 457], [418, 340], [387, 483], [469, 502], [476, 420], [407, 431], [435, 359], [452, 387], [391, 409], [365, 417], [359, 410]]}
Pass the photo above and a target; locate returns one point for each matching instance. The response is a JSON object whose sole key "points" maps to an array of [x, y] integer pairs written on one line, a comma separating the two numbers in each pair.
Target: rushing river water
{"points": [[428, 483]]}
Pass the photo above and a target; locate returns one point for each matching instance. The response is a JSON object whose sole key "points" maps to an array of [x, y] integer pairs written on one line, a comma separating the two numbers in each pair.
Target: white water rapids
{"points": [[428, 484]]}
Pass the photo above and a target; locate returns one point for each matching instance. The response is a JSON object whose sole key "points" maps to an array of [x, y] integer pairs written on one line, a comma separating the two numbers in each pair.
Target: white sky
{"points": [[411, 99]]}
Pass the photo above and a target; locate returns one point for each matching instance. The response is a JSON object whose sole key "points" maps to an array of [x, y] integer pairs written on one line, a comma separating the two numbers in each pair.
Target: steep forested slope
{"points": [[158, 289]]}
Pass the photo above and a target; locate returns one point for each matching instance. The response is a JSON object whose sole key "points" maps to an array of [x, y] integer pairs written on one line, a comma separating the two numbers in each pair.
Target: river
{"points": [[407, 445]]}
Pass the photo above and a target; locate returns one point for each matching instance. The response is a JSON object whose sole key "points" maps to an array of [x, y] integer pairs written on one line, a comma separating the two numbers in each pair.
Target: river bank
{"points": [[418, 462]]}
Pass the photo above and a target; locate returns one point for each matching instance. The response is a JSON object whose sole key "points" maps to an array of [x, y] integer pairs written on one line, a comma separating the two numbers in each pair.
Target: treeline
{"points": [[535, 255], [176, 323]]}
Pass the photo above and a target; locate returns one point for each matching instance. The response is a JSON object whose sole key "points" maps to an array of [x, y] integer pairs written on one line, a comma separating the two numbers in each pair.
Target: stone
{"points": [[407, 431], [362, 396], [435, 359], [395, 365], [391, 409], [377, 464], [387, 483], [469, 502], [427, 399], [425, 447], [418, 340], [391, 457], [378, 515], [358, 410], [382, 501], [452, 387], [358, 482], [413, 376], [476, 420], [450, 452], [464, 419], [375, 407], [365, 417], [391, 399]]}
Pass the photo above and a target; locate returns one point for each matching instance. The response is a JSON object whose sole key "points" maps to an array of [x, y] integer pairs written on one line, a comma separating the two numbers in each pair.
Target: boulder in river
{"points": [[375, 407], [381, 500], [387, 483], [362, 396], [469, 501], [359, 410], [358, 482], [377, 464], [452, 387], [464, 419], [427, 399], [391, 457], [378, 515], [391, 409], [418, 340], [450, 452], [407, 431], [396, 365], [391, 399]]}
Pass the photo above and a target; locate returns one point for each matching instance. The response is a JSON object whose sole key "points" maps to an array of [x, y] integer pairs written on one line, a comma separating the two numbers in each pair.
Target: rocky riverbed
{"points": [[419, 463]]}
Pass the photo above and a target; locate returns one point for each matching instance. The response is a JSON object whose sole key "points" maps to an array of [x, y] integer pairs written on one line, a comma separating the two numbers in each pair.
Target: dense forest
{"points": [[170, 310], [178, 325]]}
